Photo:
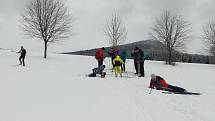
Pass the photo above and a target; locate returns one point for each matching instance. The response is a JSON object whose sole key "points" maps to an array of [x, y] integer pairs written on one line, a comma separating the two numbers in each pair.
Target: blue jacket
{"points": [[124, 56]]}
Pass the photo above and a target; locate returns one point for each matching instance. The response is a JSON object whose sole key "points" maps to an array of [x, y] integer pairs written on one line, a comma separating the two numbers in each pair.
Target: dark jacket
{"points": [[22, 52], [138, 55], [113, 53]]}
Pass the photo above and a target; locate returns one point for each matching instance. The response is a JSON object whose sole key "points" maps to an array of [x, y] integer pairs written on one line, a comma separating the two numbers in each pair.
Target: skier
{"points": [[113, 52], [22, 56], [138, 56], [100, 56], [159, 83], [117, 65], [98, 70], [123, 56]]}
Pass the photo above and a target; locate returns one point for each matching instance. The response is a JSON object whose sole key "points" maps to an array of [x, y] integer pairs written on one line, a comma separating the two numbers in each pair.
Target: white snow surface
{"points": [[57, 89]]}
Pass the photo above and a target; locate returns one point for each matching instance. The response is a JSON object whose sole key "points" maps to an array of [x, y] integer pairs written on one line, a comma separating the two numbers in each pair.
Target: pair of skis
{"points": [[182, 93]]}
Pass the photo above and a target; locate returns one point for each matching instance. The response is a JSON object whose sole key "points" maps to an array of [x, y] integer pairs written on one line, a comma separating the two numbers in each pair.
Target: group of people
{"points": [[118, 60]]}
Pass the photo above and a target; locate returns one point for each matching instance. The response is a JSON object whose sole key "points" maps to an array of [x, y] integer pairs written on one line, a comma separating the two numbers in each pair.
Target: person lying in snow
{"points": [[159, 83], [98, 70]]}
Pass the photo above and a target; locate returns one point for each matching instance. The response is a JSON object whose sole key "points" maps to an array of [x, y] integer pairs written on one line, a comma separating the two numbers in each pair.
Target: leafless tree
{"points": [[48, 20], [115, 30], [173, 31], [209, 36]]}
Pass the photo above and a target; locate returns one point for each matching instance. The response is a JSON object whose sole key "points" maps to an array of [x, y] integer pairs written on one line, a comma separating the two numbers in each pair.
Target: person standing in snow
{"points": [[113, 52], [138, 56], [117, 65], [22, 56], [123, 56], [100, 56], [159, 83]]}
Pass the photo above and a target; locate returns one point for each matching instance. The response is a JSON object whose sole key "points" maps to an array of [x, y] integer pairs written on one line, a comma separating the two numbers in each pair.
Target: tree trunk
{"points": [[169, 56], [45, 49]]}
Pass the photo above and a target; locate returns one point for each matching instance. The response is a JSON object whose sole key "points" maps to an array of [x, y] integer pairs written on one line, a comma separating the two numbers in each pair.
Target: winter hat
{"points": [[136, 48], [103, 48], [153, 76]]}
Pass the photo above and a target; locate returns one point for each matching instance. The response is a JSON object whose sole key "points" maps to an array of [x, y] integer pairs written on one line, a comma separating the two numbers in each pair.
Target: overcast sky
{"points": [[91, 15]]}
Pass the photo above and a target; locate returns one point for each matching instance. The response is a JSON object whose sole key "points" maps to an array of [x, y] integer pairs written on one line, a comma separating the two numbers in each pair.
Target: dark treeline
{"points": [[153, 51], [183, 57]]}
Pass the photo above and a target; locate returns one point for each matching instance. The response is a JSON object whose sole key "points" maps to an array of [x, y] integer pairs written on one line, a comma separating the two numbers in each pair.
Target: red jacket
{"points": [[100, 54], [159, 83], [163, 83]]}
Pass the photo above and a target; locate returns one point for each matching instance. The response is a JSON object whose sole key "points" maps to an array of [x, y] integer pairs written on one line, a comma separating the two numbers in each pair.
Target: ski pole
{"points": [[126, 73], [150, 91], [7, 49], [13, 51]]}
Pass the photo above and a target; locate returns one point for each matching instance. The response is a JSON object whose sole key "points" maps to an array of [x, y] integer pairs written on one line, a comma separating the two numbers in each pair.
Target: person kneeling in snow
{"points": [[159, 83], [98, 70]]}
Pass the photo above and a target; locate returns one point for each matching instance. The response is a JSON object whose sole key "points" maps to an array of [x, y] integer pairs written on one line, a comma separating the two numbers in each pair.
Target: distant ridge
{"points": [[146, 45], [153, 50]]}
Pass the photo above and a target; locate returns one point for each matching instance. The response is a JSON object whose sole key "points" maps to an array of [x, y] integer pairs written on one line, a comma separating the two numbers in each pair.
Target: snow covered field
{"points": [[57, 89]]}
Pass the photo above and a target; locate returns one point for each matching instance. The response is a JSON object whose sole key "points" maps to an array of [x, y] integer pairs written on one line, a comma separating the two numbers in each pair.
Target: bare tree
{"points": [[209, 36], [115, 30], [48, 20], [173, 31]]}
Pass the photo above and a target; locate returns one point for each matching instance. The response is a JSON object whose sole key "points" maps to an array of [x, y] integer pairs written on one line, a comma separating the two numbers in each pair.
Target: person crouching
{"points": [[99, 70]]}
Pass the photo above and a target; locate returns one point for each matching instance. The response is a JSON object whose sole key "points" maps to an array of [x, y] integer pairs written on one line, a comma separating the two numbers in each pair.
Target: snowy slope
{"points": [[56, 89]]}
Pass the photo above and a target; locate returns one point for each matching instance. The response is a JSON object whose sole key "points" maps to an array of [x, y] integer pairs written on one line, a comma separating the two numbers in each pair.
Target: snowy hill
{"points": [[57, 89]]}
